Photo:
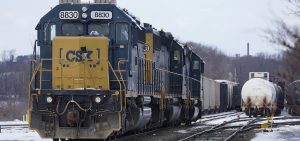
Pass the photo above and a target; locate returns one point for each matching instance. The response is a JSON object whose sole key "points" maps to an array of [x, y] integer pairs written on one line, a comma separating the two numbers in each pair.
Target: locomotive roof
{"points": [[118, 13], [121, 15]]}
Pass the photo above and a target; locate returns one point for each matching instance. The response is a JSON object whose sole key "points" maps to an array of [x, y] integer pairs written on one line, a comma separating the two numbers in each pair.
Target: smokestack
{"points": [[106, 1], [69, 1], [248, 49]]}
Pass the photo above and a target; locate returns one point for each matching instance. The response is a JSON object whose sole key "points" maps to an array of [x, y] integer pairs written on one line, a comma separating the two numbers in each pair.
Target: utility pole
{"points": [[248, 49]]}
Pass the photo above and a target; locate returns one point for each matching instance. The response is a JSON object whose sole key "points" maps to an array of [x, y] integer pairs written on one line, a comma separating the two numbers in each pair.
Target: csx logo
{"points": [[78, 56]]}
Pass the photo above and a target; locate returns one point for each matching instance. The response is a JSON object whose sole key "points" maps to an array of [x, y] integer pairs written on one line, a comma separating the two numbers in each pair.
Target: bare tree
{"points": [[288, 37]]}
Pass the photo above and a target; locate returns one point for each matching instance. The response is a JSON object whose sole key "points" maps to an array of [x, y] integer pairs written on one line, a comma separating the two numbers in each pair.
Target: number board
{"points": [[101, 15], [69, 15]]}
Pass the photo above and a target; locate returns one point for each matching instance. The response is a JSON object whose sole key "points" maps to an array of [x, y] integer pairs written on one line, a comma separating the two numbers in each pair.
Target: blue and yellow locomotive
{"points": [[98, 72]]}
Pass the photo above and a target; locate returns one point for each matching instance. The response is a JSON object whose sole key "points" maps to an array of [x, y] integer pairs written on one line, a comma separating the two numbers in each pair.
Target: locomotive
{"points": [[98, 72]]}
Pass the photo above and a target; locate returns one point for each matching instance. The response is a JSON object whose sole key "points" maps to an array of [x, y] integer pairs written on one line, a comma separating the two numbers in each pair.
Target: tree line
{"points": [[14, 78]]}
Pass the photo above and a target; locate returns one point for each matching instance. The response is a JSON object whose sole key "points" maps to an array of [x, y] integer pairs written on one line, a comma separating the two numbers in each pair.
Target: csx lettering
{"points": [[68, 15], [78, 56]]}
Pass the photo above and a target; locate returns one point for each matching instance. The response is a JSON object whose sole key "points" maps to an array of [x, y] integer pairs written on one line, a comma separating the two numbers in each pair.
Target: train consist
{"points": [[261, 97], [220, 96], [98, 72]]}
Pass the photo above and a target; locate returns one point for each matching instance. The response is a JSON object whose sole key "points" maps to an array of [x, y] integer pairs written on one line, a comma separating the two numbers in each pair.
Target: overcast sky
{"points": [[227, 24]]}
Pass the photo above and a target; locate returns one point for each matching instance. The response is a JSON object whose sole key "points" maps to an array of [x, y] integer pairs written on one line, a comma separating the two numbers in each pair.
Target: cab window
{"points": [[72, 29], [122, 32], [196, 65], [99, 28], [49, 31], [176, 55]]}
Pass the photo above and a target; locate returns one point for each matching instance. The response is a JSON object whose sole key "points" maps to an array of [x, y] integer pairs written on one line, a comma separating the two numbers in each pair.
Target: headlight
{"points": [[84, 15], [97, 99], [84, 9], [49, 99]]}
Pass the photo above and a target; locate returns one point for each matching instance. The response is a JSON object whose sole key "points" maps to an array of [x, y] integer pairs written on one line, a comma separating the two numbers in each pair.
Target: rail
{"points": [[3, 126]]}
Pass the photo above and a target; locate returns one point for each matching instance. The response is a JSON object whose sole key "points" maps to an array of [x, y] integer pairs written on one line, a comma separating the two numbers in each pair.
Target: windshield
{"points": [[122, 32], [100, 28], [72, 29]]}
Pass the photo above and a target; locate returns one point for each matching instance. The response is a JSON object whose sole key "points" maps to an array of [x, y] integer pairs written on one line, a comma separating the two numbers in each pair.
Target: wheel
{"points": [[188, 122], [278, 112], [55, 139], [255, 114]]}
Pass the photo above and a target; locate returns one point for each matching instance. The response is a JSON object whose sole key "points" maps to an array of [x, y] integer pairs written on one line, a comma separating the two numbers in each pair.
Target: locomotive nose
{"points": [[80, 62]]}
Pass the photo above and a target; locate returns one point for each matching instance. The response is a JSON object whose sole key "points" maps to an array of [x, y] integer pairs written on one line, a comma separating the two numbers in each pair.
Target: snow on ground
{"points": [[284, 133], [225, 119], [280, 121], [18, 133], [218, 114], [12, 122]]}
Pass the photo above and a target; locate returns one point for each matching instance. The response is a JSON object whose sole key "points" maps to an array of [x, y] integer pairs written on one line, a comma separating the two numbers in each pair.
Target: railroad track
{"points": [[226, 132], [220, 132], [178, 132], [205, 119], [10, 126], [204, 130]]}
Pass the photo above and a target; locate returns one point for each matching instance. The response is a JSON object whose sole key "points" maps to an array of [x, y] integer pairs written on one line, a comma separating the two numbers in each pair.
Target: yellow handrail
{"points": [[122, 80], [120, 93], [29, 88]]}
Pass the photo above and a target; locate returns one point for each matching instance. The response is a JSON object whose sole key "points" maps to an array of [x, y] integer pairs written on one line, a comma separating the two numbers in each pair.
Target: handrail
{"points": [[121, 76], [41, 70], [30, 86], [120, 85], [120, 93]]}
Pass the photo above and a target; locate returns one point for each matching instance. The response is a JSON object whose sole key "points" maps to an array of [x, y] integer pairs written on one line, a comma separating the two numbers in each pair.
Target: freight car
{"points": [[237, 98], [211, 96], [98, 73], [293, 98], [220, 95], [229, 96], [262, 97]]}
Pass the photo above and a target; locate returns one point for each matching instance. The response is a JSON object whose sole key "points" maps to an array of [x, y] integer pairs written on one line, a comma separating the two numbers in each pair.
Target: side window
{"points": [[196, 65], [52, 31], [122, 34], [176, 55], [49, 32]]}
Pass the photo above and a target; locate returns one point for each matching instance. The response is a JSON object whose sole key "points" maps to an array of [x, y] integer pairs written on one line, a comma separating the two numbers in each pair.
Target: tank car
{"points": [[98, 73], [261, 97], [293, 98]]}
